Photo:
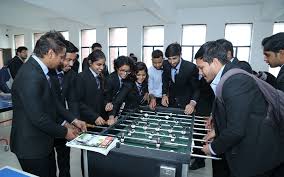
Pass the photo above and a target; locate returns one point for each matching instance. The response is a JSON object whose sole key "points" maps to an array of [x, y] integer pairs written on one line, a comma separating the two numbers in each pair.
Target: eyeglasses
{"points": [[125, 71]]}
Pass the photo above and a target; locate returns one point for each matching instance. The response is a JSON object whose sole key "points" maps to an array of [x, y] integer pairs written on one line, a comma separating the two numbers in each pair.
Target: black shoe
{"points": [[197, 164]]}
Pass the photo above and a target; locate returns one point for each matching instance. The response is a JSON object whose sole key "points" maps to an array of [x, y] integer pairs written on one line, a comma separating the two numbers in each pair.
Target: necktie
{"points": [[139, 86], [48, 79], [60, 77], [174, 73], [98, 82]]}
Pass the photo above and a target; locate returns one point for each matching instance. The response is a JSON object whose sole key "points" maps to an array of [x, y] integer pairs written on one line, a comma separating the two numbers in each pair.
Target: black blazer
{"points": [[68, 92], [186, 84], [206, 99], [14, 66], [91, 98], [280, 79], [129, 94], [243, 132], [242, 65], [112, 87], [34, 124]]}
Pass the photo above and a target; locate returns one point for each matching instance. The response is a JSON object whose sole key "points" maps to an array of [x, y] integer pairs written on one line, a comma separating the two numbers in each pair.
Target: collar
{"points": [[59, 72], [217, 79], [42, 65], [93, 72], [178, 65]]}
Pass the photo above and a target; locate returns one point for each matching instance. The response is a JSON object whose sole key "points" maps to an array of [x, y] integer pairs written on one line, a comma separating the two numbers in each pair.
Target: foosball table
{"points": [[151, 143]]}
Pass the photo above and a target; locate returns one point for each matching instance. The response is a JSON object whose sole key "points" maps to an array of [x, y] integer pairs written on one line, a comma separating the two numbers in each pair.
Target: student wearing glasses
{"points": [[123, 66]]}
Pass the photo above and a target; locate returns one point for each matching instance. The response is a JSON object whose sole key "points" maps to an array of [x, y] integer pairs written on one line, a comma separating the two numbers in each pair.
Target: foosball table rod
{"points": [[205, 156]]}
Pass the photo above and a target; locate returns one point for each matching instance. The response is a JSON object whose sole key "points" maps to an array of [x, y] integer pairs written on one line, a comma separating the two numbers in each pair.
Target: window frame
{"points": [[236, 47]]}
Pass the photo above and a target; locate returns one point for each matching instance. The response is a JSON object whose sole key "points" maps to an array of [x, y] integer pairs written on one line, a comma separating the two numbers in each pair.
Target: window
{"points": [[277, 27], [240, 36], [193, 36], [19, 40], [153, 40], [37, 36], [88, 37], [117, 44], [65, 34]]}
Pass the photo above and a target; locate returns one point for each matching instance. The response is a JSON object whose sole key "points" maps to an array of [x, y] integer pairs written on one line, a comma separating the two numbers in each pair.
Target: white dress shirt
{"points": [[155, 82]]}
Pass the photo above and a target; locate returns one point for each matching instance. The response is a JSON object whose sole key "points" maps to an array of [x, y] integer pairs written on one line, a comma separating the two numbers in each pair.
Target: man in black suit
{"points": [[180, 81], [16, 62], [35, 109], [230, 55], [251, 145], [273, 50], [63, 83], [203, 108]]}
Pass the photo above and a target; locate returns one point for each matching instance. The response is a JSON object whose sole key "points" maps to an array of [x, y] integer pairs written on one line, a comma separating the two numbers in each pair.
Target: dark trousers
{"points": [[220, 168], [63, 157], [43, 167]]}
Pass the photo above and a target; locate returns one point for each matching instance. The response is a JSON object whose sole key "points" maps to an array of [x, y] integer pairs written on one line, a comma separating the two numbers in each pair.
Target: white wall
{"points": [[214, 17], [4, 40]]}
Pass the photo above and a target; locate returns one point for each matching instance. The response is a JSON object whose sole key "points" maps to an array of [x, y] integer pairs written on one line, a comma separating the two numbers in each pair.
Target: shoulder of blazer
{"points": [[281, 73], [34, 64]]}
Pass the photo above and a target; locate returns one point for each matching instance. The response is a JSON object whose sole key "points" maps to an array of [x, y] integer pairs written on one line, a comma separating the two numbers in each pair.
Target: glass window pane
{"points": [[154, 35], [88, 37], [187, 53], [147, 53], [243, 53], [118, 37], [238, 34], [85, 52], [65, 34], [159, 48], [278, 27], [37, 36], [193, 34], [19, 40], [113, 54], [123, 51]]}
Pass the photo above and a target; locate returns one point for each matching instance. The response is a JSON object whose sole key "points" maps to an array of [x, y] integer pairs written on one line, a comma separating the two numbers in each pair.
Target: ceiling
{"points": [[39, 14]]}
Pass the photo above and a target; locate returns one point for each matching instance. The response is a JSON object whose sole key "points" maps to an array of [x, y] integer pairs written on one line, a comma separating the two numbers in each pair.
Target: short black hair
{"points": [[157, 54], [70, 47], [213, 49], [173, 49], [199, 53], [96, 45], [273, 43], [21, 48], [53, 40], [123, 60], [227, 45]]}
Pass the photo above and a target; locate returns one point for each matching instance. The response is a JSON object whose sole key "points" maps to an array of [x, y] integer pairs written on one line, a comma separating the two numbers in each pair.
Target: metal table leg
{"points": [[85, 159]]}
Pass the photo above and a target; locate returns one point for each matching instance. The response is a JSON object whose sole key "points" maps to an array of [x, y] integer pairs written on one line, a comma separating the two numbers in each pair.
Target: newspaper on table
{"points": [[92, 142]]}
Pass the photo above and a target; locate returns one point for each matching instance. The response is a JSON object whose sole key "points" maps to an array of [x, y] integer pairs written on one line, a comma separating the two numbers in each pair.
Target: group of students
{"points": [[46, 87]]}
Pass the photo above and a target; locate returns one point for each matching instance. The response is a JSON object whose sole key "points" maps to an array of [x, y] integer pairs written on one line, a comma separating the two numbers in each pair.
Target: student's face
{"points": [[157, 62], [273, 59], [206, 69], [123, 71], [23, 54], [141, 76], [54, 60], [174, 60], [68, 61], [98, 65]]}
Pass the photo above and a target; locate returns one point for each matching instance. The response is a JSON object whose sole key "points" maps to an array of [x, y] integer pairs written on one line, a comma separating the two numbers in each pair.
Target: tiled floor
{"points": [[8, 158]]}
